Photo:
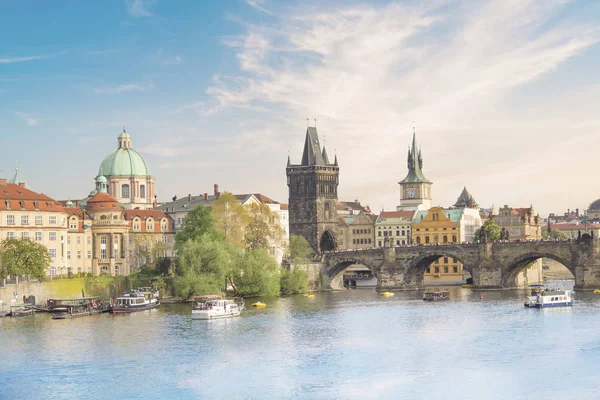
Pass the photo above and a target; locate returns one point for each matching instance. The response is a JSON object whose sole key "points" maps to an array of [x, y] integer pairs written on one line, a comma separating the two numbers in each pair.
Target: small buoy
{"points": [[597, 291], [387, 294], [258, 304]]}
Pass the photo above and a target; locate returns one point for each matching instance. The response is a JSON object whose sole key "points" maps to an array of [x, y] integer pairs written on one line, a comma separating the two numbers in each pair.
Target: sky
{"points": [[503, 95]]}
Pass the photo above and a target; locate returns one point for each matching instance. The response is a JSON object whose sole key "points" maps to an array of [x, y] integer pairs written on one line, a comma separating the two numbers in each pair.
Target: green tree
{"points": [[196, 224], [202, 267], [553, 234], [263, 230], [293, 281], [299, 250], [230, 218], [255, 273], [23, 257], [489, 232], [147, 251]]}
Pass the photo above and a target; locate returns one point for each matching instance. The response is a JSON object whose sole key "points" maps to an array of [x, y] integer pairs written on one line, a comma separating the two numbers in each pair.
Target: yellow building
{"points": [[439, 226]]}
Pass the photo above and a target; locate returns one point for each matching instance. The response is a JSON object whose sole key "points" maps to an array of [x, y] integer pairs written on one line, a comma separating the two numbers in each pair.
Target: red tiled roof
{"points": [[102, 201], [283, 206], [144, 214], [20, 198], [397, 214], [570, 227]]}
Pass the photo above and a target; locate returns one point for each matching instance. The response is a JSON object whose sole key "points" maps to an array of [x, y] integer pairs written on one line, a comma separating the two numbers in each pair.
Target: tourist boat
{"points": [[82, 310], [63, 305], [436, 296], [258, 304], [544, 297], [213, 307], [387, 294], [137, 300]]}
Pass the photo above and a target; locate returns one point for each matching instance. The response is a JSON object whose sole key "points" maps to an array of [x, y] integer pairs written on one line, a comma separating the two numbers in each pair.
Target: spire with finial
{"points": [[415, 164]]}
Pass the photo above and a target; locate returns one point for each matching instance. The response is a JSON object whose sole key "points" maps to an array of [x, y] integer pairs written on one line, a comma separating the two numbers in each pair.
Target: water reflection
{"points": [[351, 344]]}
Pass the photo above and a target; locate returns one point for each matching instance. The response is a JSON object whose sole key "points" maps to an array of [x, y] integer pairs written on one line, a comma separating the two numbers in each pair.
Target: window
{"points": [[68, 239], [125, 191], [25, 235], [52, 270], [418, 239], [10, 235], [178, 221], [455, 269], [78, 254], [39, 220], [38, 236], [445, 260], [445, 239], [149, 225], [116, 270], [52, 253], [68, 254], [10, 219], [454, 238], [397, 233], [445, 270], [143, 191], [89, 240], [78, 239], [52, 220], [52, 236], [380, 243], [24, 219], [102, 253], [428, 270], [379, 233], [426, 239], [73, 224], [89, 254], [102, 239], [437, 270]]}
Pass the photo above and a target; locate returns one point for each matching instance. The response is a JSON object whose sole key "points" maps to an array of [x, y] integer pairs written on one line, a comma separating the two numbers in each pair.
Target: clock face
{"points": [[411, 193]]}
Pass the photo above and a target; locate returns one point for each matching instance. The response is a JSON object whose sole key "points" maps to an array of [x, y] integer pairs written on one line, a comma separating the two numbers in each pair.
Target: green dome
{"points": [[124, 162]]}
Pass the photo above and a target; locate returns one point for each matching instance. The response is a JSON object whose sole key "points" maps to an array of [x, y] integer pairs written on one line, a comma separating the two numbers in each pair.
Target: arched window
{"points": [[326, 210], [445, 239], [418, 239], [125, 191], [149, 224], [426, 239], [143, 191], [454, 238]]}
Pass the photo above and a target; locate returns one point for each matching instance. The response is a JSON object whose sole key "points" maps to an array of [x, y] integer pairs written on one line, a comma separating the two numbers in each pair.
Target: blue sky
{"points": [[504, 94]]}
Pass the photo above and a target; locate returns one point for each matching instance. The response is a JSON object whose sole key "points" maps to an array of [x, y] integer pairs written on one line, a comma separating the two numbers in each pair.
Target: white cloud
{"points": [[26, 118], [8, 60], [124, 88], [367, 71], [137, 9]]}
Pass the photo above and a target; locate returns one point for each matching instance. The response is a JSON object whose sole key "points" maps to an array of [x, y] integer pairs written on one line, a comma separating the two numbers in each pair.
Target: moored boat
{"points": [[65, 305], [21, 310], [213, 307], [259, 304], [387, 294], [137, 300], [436, 296]]}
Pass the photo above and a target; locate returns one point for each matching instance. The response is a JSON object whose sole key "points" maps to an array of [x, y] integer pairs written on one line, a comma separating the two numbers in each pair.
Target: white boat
{"points": [[213, 307], [138, 300], [543, 297]]}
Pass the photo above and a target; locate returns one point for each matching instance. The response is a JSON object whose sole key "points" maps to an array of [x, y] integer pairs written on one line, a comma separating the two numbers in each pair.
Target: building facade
{"points": [[128, 176], [415, 189], [356, 231], [313, 195], [396, 225]]}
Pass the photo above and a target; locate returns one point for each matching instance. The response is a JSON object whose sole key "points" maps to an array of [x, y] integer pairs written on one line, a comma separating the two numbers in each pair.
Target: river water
{"points": [[339, 345]]}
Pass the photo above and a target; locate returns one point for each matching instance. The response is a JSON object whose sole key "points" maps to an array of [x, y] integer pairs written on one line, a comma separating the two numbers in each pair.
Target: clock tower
{"points": [[415, 189]]}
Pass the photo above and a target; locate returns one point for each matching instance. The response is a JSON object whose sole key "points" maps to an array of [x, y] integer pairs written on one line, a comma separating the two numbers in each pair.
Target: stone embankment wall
{"points": [[316, 279]]}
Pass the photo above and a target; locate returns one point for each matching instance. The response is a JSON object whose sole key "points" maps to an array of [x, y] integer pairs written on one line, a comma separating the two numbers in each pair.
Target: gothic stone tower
{"points": [[313, 195], [415, 189]]}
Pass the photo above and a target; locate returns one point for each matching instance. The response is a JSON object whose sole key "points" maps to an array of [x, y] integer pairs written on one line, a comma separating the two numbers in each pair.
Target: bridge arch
{"points": [[336, 265], [415, 272], [516, 265]]}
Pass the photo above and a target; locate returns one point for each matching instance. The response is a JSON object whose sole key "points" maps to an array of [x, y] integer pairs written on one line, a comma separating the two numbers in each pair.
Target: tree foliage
{"points": [[299, 250], [23, 257], [293, 281], [263, 230], [255, 273], [489, 232], [196, 224], [147, 252], [202, 267], [230, 218], [553, 234]]}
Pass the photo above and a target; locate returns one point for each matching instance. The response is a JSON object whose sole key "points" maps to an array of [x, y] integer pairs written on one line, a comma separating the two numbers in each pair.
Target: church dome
{"points": [[595, 206], [124, 160]]}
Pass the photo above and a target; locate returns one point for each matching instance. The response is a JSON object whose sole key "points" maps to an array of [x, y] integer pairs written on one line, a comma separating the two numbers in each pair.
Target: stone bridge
{"points": [[492, 265]]}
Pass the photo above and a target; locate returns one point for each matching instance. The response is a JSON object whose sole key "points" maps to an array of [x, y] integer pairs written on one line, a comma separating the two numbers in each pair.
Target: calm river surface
{"points": [[340, 345]]}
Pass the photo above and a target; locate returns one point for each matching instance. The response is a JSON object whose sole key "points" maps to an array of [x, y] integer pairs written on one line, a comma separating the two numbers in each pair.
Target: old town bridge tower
{"points": [[313, 195]]}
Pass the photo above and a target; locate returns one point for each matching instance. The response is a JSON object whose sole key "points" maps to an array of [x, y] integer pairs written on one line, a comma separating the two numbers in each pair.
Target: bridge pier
{"points": [[487, 276], [587, 276]]}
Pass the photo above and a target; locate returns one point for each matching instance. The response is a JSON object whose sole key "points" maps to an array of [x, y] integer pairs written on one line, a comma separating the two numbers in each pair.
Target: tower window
{"points": [[143, 191], [125, 191]]}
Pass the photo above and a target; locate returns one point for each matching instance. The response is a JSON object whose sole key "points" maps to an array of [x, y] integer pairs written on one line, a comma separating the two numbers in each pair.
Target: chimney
{"points": [[217, 193], [189, 197], [577, 212], [205, 196], [22, 184], [3, 182]]}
